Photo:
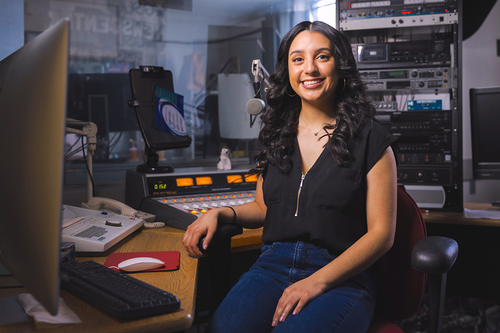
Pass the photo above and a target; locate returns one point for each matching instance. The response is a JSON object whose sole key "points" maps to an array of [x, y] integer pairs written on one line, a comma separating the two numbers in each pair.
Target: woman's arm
{"points": [[250, 215], [381, 221]]}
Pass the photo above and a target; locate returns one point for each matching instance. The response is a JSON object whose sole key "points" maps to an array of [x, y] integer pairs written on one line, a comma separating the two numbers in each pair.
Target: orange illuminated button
{"points": [[184, 182], [203, 180]]}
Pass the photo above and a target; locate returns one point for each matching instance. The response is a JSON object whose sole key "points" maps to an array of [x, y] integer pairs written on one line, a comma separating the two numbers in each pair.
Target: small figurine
{"points": [[224, 162]]}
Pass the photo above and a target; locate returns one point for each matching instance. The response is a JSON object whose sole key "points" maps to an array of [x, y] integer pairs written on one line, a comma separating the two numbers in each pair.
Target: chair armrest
{"points": [[222, 236], [225, 231], [219, 261], [434, 254]]}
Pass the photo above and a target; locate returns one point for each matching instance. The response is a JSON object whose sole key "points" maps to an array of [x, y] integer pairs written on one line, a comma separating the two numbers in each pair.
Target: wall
{"points": [[11, 26], [481, 68]]}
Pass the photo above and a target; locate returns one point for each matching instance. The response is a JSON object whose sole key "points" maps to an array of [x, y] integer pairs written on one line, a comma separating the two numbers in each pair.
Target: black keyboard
{"points": [[115, 293]]}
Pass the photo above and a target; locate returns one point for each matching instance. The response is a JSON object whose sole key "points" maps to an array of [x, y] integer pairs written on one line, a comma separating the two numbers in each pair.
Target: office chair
{"points": [[413, 262]]}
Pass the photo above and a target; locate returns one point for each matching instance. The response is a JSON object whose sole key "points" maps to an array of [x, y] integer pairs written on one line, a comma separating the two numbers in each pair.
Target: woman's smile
{"points": [[309, 84]]}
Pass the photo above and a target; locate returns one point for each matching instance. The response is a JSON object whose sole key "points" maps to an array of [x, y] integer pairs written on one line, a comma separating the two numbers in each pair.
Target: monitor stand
{"points": [[12, 312], [151, 164]]}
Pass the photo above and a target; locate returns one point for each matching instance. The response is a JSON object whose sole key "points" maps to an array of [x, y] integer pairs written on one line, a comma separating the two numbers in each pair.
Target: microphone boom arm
{"points": [[260, 73], [261, 77]]}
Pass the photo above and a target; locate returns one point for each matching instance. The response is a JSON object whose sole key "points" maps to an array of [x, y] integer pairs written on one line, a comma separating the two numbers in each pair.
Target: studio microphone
{"points": [[255, 106]]}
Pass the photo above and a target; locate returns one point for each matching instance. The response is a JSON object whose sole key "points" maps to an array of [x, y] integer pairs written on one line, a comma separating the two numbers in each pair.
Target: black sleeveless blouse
{"points": [[326, 206]]}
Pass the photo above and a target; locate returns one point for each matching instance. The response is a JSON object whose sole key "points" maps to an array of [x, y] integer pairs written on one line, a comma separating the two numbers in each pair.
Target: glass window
{"points": [[206, 44]]}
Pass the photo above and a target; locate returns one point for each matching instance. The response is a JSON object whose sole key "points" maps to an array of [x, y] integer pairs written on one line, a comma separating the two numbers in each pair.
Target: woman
{"points": [[326, 196]]}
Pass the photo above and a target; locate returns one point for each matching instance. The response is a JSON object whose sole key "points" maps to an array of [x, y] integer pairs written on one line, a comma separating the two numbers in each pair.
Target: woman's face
{"points": [[311, 67]]}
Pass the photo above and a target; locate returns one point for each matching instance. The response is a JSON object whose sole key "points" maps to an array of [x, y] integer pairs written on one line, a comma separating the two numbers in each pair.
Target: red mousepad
{"points": [[170, 258]]}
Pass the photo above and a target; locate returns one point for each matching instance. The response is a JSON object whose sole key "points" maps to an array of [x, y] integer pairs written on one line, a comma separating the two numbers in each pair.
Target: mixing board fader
{"points": [[197, 205]]}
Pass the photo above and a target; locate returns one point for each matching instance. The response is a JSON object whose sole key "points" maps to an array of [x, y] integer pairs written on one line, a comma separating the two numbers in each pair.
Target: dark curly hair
{"points": [[281, 117]]}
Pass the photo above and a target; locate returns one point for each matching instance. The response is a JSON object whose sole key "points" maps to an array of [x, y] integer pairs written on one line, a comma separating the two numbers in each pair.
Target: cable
{"points": [[68, 152], [76, 151], [114, 140], [88, 169]]}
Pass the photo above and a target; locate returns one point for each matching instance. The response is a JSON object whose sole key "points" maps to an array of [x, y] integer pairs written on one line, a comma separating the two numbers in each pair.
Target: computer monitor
{"points": [[102, 99], [32, 116], [485, 132]]}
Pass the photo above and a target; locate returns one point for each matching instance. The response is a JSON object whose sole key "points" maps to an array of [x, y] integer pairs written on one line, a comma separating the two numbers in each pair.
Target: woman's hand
{"points": [[205, 225], [295, 298]]}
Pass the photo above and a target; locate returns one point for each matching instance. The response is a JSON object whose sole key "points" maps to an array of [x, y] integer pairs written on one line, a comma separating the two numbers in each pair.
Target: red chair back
{"points": [[401, 287]]}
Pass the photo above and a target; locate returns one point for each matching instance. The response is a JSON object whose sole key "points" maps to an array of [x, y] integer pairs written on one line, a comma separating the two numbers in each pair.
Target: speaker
{"points": [[427, 196]]}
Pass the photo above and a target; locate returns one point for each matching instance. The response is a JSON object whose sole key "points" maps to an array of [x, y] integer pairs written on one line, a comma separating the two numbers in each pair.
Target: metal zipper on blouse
{"points": [[298, 193]]}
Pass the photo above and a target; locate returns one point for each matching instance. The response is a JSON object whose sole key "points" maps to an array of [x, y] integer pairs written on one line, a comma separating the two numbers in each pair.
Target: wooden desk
{"points": [[252, 238], [460, 219], [477, 270], [181, 283]]}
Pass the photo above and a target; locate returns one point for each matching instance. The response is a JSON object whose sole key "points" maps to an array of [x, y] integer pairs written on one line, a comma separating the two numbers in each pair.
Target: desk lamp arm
{"points": [[89, 130]]}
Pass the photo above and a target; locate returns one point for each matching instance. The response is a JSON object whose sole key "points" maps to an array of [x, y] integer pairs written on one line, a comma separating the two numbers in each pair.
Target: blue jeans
{"points": [[250, 305]]}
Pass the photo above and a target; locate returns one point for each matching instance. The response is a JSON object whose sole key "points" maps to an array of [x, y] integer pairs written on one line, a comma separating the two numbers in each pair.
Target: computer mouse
{"points": [[140, 264]]}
